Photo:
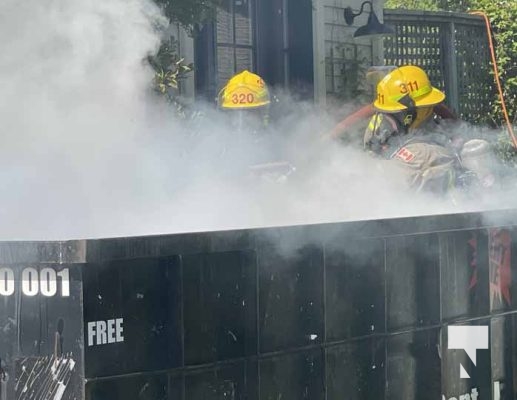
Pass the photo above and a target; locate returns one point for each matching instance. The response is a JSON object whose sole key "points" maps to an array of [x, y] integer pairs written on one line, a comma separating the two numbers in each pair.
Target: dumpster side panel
{"points": [[132, 316], [41, 347], [335, 311]]}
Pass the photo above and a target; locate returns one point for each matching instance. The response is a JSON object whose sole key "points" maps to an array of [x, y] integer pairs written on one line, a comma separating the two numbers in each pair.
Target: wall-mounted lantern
{"points": [[372, 28]]}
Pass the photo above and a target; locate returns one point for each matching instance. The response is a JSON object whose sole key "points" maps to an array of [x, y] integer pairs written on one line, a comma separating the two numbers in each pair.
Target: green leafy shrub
{"points": [[505, 151], [170, 70]]}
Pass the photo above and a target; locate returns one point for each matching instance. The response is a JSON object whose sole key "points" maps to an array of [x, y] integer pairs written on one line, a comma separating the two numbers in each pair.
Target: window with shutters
{"points": [[235, 44]]}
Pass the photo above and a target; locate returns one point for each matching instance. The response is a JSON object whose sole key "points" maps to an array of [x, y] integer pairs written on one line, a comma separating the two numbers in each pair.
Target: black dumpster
{"points": [[356, 310]]}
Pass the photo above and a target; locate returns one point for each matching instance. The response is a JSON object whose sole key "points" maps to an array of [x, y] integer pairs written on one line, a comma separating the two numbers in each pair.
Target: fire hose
{"points": [[496, 75]]}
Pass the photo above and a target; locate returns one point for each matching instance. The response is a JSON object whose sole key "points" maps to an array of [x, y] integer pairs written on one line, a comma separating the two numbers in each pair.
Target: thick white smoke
{"points": [[87, 152], [73, 109]]}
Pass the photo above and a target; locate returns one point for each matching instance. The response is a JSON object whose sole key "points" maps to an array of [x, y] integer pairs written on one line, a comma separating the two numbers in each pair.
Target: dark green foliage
{"points": [[504, 150], [189, 13]]}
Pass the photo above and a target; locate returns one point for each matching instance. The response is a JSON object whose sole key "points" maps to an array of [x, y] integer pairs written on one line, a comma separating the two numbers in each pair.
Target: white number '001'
{"points": [[34, 282]]}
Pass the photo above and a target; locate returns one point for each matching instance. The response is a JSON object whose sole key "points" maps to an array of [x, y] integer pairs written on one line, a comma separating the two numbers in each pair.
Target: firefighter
{"points": [[245, 100], [404, 105], [373, 76], [406, 129], [402, 126]]}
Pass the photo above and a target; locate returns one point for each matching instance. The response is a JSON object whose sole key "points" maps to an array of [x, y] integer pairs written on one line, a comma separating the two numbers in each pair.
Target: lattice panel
{"points": [[418, 44], [453, 51], [475, 82]]}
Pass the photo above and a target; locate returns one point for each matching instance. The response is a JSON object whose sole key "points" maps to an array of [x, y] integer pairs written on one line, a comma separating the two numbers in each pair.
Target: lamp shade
{"points": [[373, 27]]}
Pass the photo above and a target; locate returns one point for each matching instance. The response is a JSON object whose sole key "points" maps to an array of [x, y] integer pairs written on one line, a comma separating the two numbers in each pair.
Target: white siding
{"points": [[339, 52]]}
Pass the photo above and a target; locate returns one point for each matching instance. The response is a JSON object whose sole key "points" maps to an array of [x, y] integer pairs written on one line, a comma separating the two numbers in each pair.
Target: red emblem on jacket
{"points": [[405, 155]]}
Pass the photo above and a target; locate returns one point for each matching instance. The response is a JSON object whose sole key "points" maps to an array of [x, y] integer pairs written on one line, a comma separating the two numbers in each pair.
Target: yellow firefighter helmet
{"points": [[407, 81], [245, 90]]}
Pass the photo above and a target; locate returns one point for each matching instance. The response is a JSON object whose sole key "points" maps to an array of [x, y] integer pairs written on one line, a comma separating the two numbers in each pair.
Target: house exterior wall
{"points": [[340, 59]]}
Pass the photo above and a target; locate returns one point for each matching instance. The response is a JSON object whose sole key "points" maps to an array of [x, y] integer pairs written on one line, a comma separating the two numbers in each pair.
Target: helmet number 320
{"points": [[243, 98]]}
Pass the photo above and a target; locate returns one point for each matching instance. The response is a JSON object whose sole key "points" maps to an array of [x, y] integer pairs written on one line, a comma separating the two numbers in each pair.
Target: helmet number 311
{"points": [[405, 88], [413, 86]]}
